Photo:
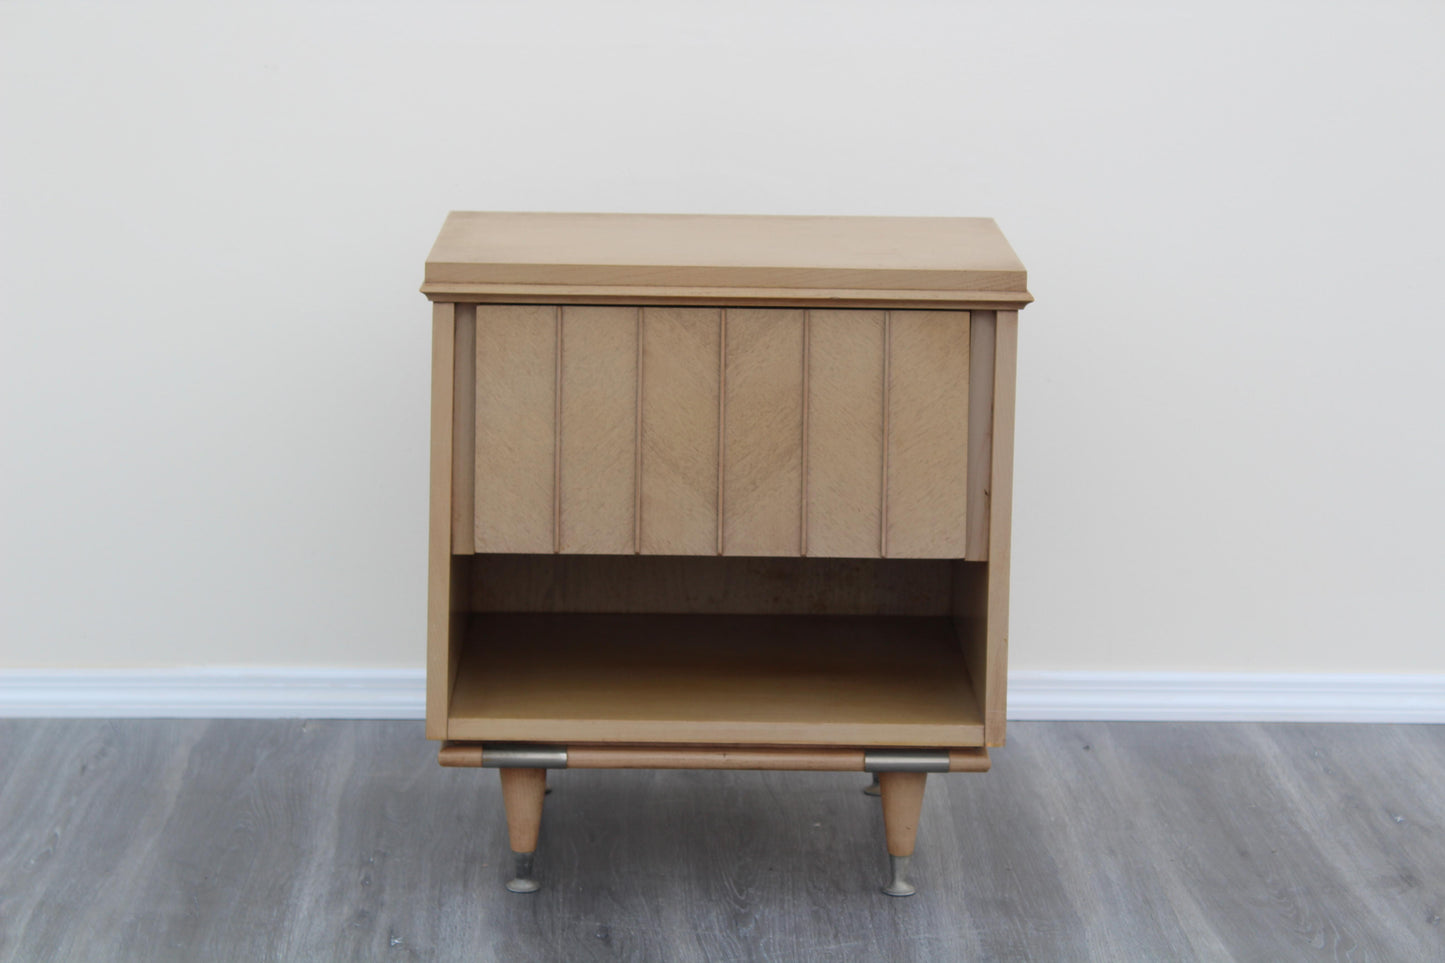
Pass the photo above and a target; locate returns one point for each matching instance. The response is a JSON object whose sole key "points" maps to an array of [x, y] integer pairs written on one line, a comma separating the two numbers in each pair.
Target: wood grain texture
{"points": [[715, 679], [1006, 347], [763, 433], [516, 428], [678, 296], [927, 484], [681, 349], [522, 793], [980, 431], [182, 840], [686, 251], [440, 622], [970, 623], [902, 797], [710, 584], [464, 431], [845, 433], [599, 429]]}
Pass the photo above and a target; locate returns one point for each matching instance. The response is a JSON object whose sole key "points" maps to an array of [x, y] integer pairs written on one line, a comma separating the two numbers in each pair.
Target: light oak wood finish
{"points": [[980, 431], [598, 440], [681, 352], [1000, 523], [763, 433], [610, 756], [523, 791], [926, 490], [845, 433], [710, 585], [902, 795], [586, 256], [464, 431], [443, 630], [516, 452], [969, 760], [641, 295], [739, 490], [752, 679]]}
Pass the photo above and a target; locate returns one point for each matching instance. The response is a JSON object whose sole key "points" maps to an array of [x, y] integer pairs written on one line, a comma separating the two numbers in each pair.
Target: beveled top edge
{"points": [[677, 251]]}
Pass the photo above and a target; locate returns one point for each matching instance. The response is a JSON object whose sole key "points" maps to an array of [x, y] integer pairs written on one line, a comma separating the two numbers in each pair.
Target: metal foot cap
{"points": [[898, 886], [522, 881]]}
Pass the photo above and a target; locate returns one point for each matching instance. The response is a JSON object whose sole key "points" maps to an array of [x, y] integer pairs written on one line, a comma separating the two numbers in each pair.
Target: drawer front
{"points": [[703, 431]]}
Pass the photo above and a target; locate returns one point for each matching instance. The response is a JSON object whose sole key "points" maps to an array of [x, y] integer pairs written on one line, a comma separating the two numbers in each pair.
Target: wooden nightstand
{"points": [[721, 493]]}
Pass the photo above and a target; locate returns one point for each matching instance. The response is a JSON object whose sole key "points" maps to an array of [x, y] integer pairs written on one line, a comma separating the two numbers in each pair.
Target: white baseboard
{"points": [[321, 693], [1226, 697], [219, 693]]}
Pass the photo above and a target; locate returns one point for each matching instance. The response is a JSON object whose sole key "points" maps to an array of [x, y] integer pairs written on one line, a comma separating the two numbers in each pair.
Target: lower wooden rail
{"points": [[798, 758]]}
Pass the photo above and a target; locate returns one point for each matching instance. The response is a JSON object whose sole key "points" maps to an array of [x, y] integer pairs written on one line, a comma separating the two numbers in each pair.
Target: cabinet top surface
{"points": [[682, 255]]}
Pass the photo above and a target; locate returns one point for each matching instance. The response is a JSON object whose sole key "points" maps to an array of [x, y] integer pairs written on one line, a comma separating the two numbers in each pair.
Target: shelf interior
{"points": [[898, 680]]}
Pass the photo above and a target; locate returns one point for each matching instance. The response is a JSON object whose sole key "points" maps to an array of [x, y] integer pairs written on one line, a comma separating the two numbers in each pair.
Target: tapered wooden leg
{"points": [[522, 793], [902, 805]]}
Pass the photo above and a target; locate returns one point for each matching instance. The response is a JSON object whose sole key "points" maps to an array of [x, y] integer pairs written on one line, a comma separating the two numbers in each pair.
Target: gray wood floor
{"points": [[249, 840]]}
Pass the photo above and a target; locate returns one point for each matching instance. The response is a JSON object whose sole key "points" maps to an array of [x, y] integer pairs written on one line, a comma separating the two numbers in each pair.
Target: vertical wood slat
{"points": [[557, 430], [680, 430], [762, 460], [845, 432], [637, 448], [1006, 341], [722, 420], [464, 430], [980, 430], [887, 412], [926, 493], [803, 479], [441, 647], [597, 453], [516, 446]]}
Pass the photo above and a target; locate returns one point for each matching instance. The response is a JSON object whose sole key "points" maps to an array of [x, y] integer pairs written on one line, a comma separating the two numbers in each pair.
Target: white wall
{"points": [[213, 375]]}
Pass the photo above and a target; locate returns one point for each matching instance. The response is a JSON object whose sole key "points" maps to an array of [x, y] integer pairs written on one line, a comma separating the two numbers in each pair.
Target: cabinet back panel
{"points": [[709, 585]]}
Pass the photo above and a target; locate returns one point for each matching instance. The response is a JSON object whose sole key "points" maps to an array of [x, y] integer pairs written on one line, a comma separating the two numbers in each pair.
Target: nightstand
{"points": [[720, 492]]}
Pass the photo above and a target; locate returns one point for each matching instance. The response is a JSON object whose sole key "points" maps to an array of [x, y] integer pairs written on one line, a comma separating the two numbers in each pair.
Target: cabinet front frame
{"points": [[980, 592]]}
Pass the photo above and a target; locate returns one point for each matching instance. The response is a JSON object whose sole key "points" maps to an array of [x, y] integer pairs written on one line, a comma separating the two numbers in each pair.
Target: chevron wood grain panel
{"points": [[763, 432], [927, 479], [516, 374]]}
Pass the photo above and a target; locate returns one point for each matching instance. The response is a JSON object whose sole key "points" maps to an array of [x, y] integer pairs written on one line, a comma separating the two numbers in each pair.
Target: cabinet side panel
{"points": [[440, 640], [680, 401], [516, 374], [927, 484], [980, 430], [1000, 523], [845, 433], [599, 429], [763, 432], [970, 621]]}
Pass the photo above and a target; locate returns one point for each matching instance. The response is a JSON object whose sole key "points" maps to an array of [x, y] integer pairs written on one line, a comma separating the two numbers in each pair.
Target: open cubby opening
{"points": [[718, 650]]}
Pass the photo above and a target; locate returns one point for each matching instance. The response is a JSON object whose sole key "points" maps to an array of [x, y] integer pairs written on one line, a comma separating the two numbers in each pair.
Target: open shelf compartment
{"points": [[716, 651], [775, 679]]}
